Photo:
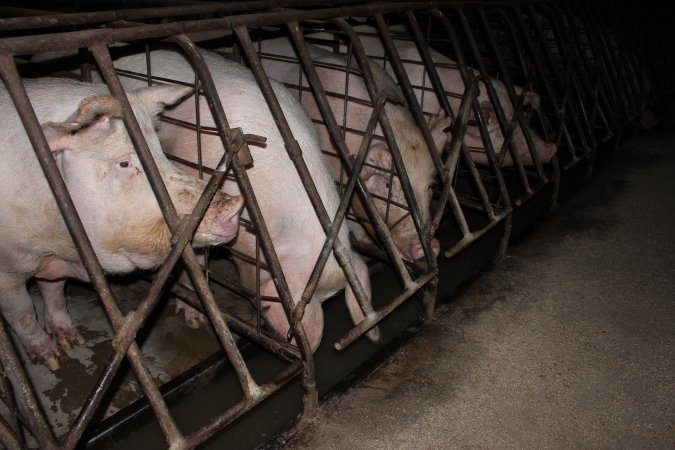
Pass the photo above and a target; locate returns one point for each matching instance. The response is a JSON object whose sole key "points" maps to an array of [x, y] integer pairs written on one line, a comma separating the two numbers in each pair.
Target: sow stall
{"points": [[234, 381]]}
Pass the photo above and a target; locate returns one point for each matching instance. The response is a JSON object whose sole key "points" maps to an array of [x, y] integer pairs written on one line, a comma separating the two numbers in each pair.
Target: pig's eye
{"points": [[125, 166]]}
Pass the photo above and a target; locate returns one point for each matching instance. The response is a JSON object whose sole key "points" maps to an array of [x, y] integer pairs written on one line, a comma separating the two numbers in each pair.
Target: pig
{"points": [[417, 157], [293, 225], [452, 83], [84, 130]]}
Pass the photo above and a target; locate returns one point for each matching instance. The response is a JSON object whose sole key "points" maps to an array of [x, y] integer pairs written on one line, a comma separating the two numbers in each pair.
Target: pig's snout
{"points": [[417, 251], [221, 221], [546, 151]]}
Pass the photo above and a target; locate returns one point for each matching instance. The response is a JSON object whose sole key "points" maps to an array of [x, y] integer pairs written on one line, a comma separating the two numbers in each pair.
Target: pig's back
{"points": [[273, 174]]}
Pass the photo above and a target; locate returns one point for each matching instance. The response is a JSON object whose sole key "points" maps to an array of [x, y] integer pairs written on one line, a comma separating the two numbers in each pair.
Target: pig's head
{"points": [[110, 190], [421, 172], [472, 137]]}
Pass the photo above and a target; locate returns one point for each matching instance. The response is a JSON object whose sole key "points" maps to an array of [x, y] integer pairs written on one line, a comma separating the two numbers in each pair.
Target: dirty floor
{"points": [[569, 342]]}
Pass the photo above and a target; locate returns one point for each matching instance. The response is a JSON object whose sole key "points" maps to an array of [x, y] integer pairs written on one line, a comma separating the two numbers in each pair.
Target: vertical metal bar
{"points": [[489, 150], [499, 110], [295, 153], [380, 226], [371, 87], [553, 98], [28, 403], [600, 43], [230, 144], [408, 92]]}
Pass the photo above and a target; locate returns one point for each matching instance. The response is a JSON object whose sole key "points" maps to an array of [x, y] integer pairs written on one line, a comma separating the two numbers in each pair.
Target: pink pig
{"points": [[452, 82], [354, 115], [290, 218], [83, 127]]}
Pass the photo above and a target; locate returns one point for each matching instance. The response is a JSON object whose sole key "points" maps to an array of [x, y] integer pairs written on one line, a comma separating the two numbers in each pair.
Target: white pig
{"points": [[290, 218], [452, 83], [354, 115], [83, 127]]}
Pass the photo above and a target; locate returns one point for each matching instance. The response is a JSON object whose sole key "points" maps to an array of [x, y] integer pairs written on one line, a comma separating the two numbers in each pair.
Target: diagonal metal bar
{"points": [[27, 401], [295, 153], [381, 229], [371, 86]]}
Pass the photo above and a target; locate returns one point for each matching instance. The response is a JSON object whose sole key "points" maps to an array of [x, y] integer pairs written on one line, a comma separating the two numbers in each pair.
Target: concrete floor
{"points": [[569, 342]]}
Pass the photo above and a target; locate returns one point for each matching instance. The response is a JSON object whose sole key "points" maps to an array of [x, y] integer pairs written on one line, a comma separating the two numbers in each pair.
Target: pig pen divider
{"points": [[127, 326]]}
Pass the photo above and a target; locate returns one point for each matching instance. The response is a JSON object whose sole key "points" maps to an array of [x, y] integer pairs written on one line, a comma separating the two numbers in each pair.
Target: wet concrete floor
{"points": [[568, 342]]}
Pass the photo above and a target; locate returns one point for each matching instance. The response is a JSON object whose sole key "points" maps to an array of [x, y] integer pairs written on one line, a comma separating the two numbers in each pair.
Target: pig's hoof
{"points": [[67, 337], [47, 353], [374, 335], [65, 334], [193, 318]]}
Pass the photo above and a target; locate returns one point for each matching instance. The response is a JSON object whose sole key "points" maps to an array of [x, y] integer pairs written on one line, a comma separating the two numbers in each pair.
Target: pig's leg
{"points": [[352, 305], [57, 320], [18, 309], [312, 319]]}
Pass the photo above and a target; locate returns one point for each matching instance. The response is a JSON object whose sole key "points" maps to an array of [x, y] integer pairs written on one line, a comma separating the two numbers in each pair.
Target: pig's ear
{"points": [[488, 113], [439, 126], [377, 156], [59, 135], [157, 98], [93, 115], [533, 99]]}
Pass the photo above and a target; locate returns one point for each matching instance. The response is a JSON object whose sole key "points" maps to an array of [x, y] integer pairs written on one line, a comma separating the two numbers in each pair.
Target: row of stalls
{"points": [[464, 123]]}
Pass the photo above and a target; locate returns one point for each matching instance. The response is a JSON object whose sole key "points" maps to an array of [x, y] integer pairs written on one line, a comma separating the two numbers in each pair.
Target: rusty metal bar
{"points": [[8, 438], [380, 314], [599, 42], [7, 396], [450, 163], [270, 254], [28, 403], [559, 110], [94, 17], [286, 352], [595, 89], [267, 389], [295, 155], [380, 226], [566, 83], [408, 92], [32, 126], [599, 65], [501, 117], [340, 213], [371, 86], [473, 237], [353, 169]]}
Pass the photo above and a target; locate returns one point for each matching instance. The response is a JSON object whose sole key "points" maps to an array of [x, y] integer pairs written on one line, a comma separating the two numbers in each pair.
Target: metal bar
{"points": [[28, 403], [380, 227], [295, 154], [543, 77], [284, 351], [465, 242], [408, 92], [372, 88], [565, 82], [282, 289], [380, 314], [499, 110], [92, 18], [242, 407]]}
